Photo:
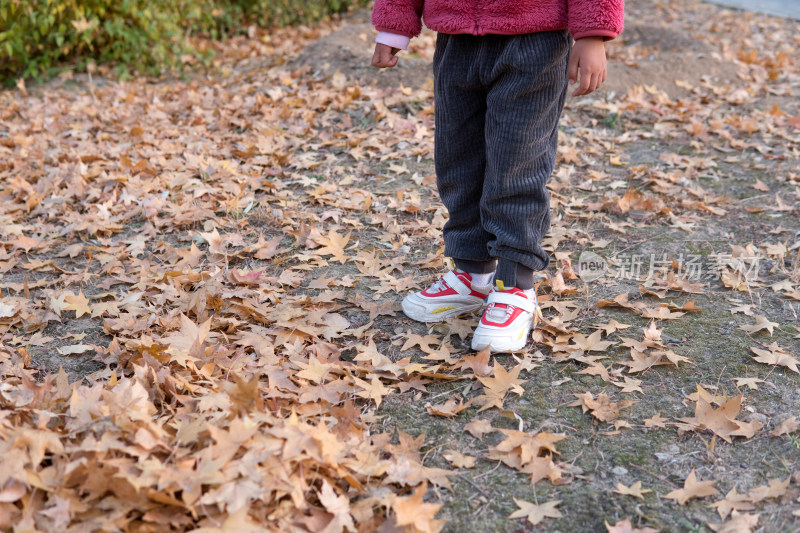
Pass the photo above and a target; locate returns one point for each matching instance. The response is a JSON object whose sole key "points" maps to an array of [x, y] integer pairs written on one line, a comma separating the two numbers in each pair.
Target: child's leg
{"points": [[460, 149], [528, 87]]}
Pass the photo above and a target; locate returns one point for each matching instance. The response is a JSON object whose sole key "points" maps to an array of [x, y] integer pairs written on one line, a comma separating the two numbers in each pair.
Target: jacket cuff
{"points": [[395, 40], [607, 35]]}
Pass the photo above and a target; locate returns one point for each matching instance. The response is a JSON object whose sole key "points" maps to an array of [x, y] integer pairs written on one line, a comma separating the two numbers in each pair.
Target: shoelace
{"points": [[439, 286], [498, 314]]}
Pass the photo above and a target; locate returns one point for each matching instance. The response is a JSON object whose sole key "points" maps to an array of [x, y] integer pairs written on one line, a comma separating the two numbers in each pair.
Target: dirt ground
{"points": [[689, 153]]}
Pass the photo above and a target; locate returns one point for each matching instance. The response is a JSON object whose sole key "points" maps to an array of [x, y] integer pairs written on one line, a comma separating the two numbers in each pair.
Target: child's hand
{"points": [[384, 56], [589, 56]]}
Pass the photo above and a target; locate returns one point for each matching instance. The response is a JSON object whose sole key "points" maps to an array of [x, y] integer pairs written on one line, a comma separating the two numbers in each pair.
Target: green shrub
{"points": [[38, 36]]}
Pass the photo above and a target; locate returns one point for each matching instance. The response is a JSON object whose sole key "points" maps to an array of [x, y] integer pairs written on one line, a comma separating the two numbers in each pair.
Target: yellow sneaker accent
{"points": [[443, 309], [500, 285]]}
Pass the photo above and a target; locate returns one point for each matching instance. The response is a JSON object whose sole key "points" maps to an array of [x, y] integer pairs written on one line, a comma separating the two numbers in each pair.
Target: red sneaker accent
{"points": [[452, 295], [506, 321], [448, 292], [511, 318]]}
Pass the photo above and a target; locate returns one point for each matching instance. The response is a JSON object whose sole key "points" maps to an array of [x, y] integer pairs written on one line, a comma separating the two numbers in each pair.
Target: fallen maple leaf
{"points": [[625, 526], [661, 313], [656, 421], [640, 361], [520, 449], [634, 490], [750, 383], [269, 249], [423, 342], [339, 507], [790, 425], [448, 409], [76, 348], [79, 304], [333, 245], [495, 388], [478, 363], [762, 322], [479, 427], [739, 523], [536, 513], [460, 460], [592, 342], [722, 421], [628, 385], [412, 511], [775, 488], [611, 326], [601, 408], [775, 355], [373, 390], [692, 488], [733, 500]]}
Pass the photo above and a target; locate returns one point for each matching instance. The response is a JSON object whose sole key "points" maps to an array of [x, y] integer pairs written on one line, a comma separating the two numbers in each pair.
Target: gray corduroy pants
{"points": [[497, 100]]}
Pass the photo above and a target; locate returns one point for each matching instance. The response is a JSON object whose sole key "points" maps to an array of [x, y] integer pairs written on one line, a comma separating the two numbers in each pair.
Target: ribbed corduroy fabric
{"points": [[498, 99]]}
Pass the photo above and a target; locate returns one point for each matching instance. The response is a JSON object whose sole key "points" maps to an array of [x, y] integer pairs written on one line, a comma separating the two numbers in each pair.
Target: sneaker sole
{"points": [[420, 314], [480, 342], [478, 345]]}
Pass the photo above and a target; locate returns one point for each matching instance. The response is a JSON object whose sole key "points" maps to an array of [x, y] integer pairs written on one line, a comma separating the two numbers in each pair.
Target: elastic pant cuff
{"points": [[475, 267], [513, 274]]}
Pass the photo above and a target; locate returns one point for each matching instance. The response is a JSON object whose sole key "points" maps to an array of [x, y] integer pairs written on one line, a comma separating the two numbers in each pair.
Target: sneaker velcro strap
{"points": [[454, 282], [515, 300]]}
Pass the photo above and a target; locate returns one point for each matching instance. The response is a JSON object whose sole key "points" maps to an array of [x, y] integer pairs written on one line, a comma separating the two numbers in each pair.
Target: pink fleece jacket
{"points": [[583, 18]]}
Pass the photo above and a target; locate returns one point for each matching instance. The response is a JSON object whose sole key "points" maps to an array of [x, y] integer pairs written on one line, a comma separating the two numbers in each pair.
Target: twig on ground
{"points": [[475, 486], [665, 480]]}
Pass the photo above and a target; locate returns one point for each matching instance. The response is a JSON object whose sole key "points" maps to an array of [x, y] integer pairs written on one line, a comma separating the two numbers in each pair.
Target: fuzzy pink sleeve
{"points": [[596, 18], [402, 17]]}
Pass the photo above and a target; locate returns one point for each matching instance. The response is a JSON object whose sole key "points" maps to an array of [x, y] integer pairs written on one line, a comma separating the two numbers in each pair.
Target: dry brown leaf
{"points": [[775, 488], [733, 500], [634, 490], [762, 322], [448, 409], [601, 408], [722, 421], [790, 425], [750, 383], [479, 427], [739, 523], [625, 526], [460, 460], [775, 355], [412, 511], [656, 421], [536, 513], [495, 388], [692, 488]]}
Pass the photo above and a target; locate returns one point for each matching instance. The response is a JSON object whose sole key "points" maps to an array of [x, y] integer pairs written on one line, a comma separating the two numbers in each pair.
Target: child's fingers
{"points": [[572, 68], [590, 81], [595, 82], [585, 83], [384, 56]]}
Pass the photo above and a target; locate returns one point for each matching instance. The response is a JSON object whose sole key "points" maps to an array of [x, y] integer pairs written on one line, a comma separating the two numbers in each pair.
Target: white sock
{"points": [[481, 280], [530, 293]]}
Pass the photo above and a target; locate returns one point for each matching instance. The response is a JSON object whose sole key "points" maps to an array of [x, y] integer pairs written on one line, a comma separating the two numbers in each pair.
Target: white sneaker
{"points": [[453, 295], [507, 321]]}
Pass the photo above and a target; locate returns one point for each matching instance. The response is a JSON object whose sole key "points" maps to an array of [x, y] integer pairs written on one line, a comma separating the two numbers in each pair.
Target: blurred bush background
{"points": [[38, 37]]}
